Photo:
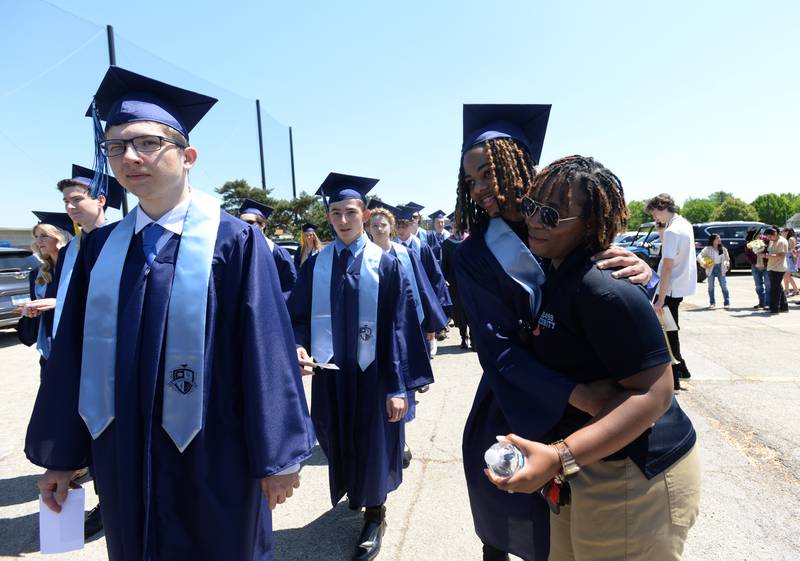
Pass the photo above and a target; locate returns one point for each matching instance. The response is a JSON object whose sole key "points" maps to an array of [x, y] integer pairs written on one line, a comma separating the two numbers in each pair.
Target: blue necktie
{"points": [[344, 257], [150, 236]]}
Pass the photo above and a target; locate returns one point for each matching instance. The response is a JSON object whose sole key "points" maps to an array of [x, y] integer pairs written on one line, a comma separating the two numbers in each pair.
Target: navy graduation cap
{"points": [[404, 212], [341, 187], [249, 206], [451, 216], [377, 203], [526, 124], [57, 219], [437, 214], [309, 227], [415, 207], [113, 190], [126, 97]]}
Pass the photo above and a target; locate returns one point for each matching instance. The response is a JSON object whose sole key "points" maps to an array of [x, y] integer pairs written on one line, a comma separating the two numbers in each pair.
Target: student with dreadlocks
{"points": [[499, 284], [633, 470]]}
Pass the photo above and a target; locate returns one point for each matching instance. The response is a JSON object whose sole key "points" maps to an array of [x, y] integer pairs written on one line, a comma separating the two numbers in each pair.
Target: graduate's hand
{"points": [[54, 485], [306, 363], [39, 306], [278, 488], [542, 464], [396, 408], [633, 268], [429, 336]]}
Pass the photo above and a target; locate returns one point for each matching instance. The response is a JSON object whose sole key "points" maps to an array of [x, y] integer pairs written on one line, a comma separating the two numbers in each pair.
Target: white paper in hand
{"points": [[667, 321], [63, 531]]}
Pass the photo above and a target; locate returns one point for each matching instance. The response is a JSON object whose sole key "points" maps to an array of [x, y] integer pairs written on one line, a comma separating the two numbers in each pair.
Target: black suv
{"points": [[732, 234], [15, 266]]}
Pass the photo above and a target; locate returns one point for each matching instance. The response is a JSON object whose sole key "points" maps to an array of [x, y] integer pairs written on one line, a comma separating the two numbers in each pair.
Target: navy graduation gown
{"points": [[298, 255], [434, 273], [287, 273], [516, 394], [364, 450], [206, 503], [456, 311], [29, 330]]}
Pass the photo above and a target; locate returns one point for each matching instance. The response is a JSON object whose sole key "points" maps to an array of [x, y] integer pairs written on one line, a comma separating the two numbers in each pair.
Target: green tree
{"points": [[698, 210], [235, 192], [734, 209], [636, 214], [773, 209], [719, 197]]}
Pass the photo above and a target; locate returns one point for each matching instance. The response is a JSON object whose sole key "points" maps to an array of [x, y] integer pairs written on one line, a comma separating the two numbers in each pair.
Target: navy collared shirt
{"points": [[592, 326]]}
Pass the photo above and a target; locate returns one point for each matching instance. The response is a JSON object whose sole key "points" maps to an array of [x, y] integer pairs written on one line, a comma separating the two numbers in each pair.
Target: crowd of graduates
{"points": [[173, 345]]}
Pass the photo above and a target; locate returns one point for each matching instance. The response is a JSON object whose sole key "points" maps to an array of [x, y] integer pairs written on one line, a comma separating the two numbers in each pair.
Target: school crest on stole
{"points": [[365, 333], [182, 379]]}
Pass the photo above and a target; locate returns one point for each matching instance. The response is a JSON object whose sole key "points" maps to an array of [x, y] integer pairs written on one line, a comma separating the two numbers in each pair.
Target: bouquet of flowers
{"points": [[707, 262], [757, 246]]}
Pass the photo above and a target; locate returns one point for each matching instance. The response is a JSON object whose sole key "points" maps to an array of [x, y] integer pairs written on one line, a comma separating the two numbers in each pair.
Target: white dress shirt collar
{"points": [[172, 221]]}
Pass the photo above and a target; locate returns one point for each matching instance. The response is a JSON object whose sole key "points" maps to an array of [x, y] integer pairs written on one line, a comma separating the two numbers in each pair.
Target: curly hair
{"points": [[513, 171], [603, 206], [387, 214], [63, 237]]}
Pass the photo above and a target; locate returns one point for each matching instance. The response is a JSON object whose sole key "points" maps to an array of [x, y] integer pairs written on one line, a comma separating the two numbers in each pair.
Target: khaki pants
{"points": [[617, 514]]}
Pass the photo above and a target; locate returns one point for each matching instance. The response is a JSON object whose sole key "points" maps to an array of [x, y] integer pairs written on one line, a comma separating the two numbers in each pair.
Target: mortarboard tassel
{"points": [[99, 181]]}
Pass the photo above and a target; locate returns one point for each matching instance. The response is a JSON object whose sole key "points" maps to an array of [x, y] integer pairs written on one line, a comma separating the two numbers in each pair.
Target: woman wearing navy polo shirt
{"points": [[633, 469]]}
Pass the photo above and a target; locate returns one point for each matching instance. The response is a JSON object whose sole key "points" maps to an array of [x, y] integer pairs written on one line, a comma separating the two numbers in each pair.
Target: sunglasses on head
{"points": [[547, 214]]}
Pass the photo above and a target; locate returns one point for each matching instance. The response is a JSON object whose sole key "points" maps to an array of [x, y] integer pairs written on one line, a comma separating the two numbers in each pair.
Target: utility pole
{"points": [[112, 61], [291, 157], [261, 145]]}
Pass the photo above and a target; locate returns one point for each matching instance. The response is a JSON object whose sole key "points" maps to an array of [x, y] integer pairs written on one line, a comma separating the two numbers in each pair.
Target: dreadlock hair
{"points": [[513, 171], [603, 208]]}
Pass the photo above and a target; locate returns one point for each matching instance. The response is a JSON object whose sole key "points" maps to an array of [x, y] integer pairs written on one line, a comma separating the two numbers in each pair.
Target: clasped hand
{"points": [[278, 488]]}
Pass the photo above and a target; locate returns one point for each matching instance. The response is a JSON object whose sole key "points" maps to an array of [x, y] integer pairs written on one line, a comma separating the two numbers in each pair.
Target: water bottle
{"points": [[504, 459]]}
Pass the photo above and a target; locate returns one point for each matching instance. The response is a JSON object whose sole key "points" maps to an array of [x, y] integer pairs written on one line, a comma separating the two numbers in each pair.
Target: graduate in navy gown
{"points": [[406, 224], [431, 315], [169, 380], [516, 394], [309, 244], [257, 214], [50, 236], [353, 306]]}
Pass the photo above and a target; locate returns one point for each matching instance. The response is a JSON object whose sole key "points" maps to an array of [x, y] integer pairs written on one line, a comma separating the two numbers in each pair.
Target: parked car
{"points": [[646, 244], [15, 266], [289, 245], [732, 235], [626, 238]]}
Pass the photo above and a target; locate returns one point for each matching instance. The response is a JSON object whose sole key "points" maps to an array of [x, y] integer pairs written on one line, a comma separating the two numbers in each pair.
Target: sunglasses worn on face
{"points": [[547, 214]]}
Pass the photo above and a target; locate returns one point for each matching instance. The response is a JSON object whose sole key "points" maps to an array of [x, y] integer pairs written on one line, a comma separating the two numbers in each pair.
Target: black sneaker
{"points": [[93, 523]]}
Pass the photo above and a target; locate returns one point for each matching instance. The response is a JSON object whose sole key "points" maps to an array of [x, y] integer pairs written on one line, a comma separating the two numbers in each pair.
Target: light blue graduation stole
{"points": [[63, 280], [516, 260], [42, 342], [408, 267], [184, 359], [321, 319]]}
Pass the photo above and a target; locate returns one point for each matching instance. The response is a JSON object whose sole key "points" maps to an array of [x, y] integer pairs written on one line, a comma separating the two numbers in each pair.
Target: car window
{"points": [[18, 262], [730, 232]]}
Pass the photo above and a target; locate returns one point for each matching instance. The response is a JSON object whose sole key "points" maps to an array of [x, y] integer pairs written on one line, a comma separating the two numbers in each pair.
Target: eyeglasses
{"points": [[547, 214], [142, 144]]}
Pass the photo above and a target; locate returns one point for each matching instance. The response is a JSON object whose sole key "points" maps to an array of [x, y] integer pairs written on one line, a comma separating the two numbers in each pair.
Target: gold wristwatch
{"points": [[569, 466]]}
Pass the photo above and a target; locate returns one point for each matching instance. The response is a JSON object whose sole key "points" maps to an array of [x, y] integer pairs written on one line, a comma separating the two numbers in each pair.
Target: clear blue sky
{"points": [[685, 97]]}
